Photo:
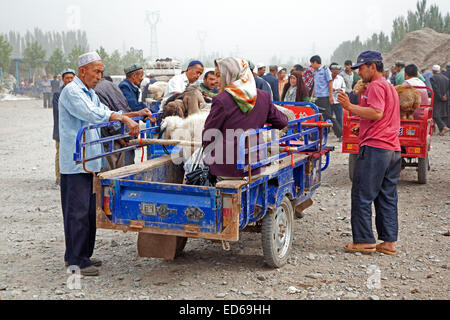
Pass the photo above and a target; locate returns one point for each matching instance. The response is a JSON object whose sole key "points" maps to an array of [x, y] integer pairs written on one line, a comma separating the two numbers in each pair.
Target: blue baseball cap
{"points": [[367, 56]]}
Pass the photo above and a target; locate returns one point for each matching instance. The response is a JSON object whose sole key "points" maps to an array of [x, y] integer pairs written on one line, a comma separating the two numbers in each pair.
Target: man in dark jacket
{"points": [[440, 85], [272, 79], [112, 97], [447, 72], [130, 86], [67, 77], [130, 89], [260, 82]]}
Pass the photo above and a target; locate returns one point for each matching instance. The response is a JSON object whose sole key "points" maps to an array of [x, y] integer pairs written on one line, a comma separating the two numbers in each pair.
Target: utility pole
{"points": [[152, 19], [202, 37]]}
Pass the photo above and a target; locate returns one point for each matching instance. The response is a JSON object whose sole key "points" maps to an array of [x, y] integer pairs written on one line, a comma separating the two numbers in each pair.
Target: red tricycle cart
{"points": [[415, 139]]}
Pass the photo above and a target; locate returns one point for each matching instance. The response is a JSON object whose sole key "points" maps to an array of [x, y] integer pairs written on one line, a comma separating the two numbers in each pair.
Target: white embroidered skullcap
{"points": [[436, 68], [87, 58]]}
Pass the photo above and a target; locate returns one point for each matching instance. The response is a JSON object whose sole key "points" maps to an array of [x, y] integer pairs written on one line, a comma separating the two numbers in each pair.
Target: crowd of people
{"points": [[243, 96]]}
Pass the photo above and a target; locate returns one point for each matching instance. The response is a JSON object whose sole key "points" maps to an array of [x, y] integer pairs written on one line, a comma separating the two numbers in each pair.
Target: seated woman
{"points": [[295, 90], [238, 107]]}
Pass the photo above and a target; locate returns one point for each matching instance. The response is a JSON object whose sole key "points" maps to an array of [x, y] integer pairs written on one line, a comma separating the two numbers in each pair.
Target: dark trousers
{"points": [[78, 206], [338, 113], [325, 108], [47, 100], [440, 114], [375, 180]]}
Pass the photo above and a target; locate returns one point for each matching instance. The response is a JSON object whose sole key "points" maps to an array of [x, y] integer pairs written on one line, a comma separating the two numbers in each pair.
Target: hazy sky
{"points": [[256, 30]]}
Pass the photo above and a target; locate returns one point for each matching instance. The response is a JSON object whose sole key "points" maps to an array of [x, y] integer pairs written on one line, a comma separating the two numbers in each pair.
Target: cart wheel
{"points": [[351, 165], [422, 169], [277, 234]]}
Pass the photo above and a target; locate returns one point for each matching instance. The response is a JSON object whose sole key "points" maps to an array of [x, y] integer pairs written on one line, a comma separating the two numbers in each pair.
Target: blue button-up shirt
{"points": [[322, 77], [78, 108]]}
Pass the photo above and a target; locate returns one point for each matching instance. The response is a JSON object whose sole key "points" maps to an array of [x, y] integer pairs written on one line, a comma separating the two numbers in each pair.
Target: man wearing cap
{"points": [[260, 82], [130, 86], [79, 106], [338, 85], [261, 69], [378, 165], [179, 83], [440, 85], [447, 72], [67, 77]]}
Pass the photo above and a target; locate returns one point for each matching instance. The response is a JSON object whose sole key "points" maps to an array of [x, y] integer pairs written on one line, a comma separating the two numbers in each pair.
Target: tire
{"points": [[422, 170], [277, 234], [351, 165]]}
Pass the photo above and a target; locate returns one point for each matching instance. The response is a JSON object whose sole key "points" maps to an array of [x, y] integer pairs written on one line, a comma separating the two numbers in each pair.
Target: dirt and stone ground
{"points": [[32, 238]]}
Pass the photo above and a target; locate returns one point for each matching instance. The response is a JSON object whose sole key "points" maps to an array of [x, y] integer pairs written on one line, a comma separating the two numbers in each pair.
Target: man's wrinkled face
{"points": [[68, 78], [210, 82], [194, 72], [137, 78], [91, 74], [367, 72]]}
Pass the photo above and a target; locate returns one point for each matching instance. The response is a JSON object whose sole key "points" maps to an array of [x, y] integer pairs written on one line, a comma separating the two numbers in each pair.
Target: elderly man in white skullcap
{"points": [[79, 106]]}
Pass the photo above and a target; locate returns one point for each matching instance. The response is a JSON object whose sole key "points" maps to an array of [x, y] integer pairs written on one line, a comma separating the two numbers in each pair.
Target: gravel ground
{"points": [[32, 238]]}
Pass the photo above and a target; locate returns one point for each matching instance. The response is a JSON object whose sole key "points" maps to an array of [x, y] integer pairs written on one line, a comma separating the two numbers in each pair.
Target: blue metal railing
{"points": [[295, 132], [152, 128]]}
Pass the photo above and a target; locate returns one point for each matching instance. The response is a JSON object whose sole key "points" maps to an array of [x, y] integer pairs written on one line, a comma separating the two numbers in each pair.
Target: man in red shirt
{"points": [[378, 165]]}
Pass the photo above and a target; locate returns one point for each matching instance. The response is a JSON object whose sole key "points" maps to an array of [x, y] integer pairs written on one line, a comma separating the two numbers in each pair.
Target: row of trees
{"points": [[423, 17], [114, 62], [50, 41], [36, 57]]}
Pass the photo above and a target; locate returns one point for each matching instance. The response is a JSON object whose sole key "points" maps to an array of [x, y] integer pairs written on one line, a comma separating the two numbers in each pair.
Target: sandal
{"points": [[351, 247], [385, 251]]}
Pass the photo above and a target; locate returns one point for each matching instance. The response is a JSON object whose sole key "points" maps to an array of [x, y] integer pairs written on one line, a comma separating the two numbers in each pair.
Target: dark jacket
{"points": [[131, 93], [56, 115], [440, 85], [263, 85], [225, 114], [56, 84], [112, 97], [273, 82]]}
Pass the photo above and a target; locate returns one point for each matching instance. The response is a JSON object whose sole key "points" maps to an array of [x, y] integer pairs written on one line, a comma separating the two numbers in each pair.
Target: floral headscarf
{"points": [[237, 79]]}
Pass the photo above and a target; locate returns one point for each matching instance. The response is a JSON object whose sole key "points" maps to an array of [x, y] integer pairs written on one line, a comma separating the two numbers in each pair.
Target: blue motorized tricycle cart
{"points": [[151, 199]]}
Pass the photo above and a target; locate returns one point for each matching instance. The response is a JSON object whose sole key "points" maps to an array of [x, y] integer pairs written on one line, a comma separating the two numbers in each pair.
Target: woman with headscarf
{"points": [[238, 107], [295, 90]]}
